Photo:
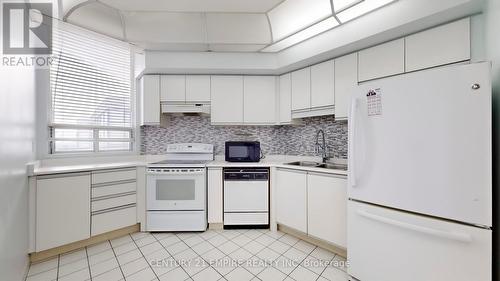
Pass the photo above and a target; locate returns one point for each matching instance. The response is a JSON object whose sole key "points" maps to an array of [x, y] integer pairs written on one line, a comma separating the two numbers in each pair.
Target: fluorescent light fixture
{"points": [[339, 5], [292, 16], [300, 36], [360, 9]]}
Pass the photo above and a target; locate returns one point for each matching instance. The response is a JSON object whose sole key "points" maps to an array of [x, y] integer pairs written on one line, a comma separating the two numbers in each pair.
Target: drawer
{"points": [[103, 204], [113, 220], [107, 190], [113, 175], [246, 218]]}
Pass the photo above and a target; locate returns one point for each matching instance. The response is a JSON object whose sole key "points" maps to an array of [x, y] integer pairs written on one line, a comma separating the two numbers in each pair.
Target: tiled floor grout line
{"points": [[116, 257], [263, 239], [88, 263], [156, 238], [58, 263], [142, 254]]}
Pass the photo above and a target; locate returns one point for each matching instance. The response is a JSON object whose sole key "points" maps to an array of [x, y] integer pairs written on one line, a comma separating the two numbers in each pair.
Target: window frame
{"points": [[96, 140], [49, 151]]}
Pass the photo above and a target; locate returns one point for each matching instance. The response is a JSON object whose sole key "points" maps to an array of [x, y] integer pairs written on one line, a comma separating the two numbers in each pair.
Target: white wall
{"points": [[17, 148], [17, 134]]}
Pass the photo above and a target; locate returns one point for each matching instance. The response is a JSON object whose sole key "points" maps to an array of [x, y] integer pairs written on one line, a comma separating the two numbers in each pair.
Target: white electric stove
{"points": [[176, 189]]}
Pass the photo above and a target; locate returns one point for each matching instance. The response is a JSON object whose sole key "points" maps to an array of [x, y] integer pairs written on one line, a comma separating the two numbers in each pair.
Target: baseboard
{"points": [[216, 226], [43, 255], [318, 242]]}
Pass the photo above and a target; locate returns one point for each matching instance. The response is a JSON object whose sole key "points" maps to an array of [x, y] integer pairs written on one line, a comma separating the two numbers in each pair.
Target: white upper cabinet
{"points": [[259, 99], [346, 83], [285, 99], [198, 88], [150, 100], [173, 88], [327, 208], [227, 99], [301, 89], [445, 44], [323, 84], [383, 60]]}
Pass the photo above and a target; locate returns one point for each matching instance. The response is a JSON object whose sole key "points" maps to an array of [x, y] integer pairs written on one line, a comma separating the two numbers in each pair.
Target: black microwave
{"points": [[242, 151]]}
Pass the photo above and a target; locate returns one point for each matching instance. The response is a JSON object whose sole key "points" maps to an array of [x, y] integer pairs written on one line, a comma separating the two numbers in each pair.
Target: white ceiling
{"points": [[214, 25], [228, 6]]}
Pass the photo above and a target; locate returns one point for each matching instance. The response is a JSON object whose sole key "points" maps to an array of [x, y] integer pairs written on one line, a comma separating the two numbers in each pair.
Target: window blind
{"points": [[91, 101]]}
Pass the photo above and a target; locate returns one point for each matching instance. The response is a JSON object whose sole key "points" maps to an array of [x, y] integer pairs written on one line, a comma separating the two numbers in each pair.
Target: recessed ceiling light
{"points": [[340, 5], [360, 9], [300, 36], [292, 16]]}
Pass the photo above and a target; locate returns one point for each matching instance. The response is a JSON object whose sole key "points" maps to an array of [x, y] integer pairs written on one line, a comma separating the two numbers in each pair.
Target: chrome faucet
{"points": [[321, 147]]}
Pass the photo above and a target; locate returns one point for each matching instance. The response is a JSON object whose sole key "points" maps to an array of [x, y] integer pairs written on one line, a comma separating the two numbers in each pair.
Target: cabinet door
{"points": [[327, 208], [259, 99], [198, 88], [445, 44], [62, 210], [301, 89], [227, 100], [291, 209], [285, 99], [346, 83], [150, 100], [215, 210], [173, 88], [382, 60], [323, 84]]}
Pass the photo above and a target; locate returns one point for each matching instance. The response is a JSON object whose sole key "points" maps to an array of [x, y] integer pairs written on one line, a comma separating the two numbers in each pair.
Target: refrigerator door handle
{"points": [[461, 237], [351, 140]]}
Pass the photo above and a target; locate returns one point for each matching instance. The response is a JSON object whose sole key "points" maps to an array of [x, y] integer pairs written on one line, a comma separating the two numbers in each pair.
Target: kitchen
{"points": [[249, 140]]}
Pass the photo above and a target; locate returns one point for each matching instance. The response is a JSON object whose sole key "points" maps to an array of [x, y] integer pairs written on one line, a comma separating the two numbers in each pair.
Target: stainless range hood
{"points": [[195, 108]]}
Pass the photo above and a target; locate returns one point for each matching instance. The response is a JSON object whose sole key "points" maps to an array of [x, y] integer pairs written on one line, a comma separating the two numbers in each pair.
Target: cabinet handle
{"points": [[113, 209], [461, 237]]}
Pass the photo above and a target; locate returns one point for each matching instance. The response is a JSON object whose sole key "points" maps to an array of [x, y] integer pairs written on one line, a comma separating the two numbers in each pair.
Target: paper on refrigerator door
{"points": [[374, 102]]}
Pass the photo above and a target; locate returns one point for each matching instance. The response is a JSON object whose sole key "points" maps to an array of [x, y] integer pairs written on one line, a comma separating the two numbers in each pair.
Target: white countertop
{"points": [[58, 166]]}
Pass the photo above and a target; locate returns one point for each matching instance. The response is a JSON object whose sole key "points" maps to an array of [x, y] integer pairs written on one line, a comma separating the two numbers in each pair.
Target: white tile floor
{"points": [[212, 255]]}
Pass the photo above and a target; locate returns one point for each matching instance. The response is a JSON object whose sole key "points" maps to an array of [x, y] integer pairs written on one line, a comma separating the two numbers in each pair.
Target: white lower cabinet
{"points": [[291, 207], [72, 207], [327, 208], [215, 190], [314, 203], [110, 220], [62, 210]]}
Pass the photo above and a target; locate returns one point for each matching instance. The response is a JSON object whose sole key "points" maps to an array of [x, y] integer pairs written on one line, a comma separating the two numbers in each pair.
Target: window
{"points": [[91, 101]]}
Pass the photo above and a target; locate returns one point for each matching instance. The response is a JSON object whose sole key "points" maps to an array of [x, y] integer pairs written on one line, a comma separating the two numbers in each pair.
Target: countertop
{"points": [[58, 166], [278, 164]]}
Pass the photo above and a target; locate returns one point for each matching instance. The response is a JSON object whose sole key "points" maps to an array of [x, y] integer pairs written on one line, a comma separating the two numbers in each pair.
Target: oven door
{"points": [[176, 189]]}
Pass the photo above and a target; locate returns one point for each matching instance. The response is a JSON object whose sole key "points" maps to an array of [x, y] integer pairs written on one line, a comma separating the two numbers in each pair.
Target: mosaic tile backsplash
{"points": [[287, 139]]}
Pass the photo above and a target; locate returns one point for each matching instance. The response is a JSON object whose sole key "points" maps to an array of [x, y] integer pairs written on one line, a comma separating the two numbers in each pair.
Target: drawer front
{"points": [[114, 175], [246, 218], [429, 249], [107, 190], [113, 202], [113, 220]]}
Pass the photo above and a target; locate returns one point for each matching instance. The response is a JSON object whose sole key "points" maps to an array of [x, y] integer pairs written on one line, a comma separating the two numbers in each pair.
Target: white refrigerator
{"points": [[420, 177]]}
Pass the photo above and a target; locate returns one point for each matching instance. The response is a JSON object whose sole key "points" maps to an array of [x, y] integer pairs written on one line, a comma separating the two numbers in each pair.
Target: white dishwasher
{"points": [[246, 197]]}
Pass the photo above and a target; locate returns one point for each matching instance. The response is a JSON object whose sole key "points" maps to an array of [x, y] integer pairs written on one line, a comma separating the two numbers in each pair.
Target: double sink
{"points": [[332, 166]]}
